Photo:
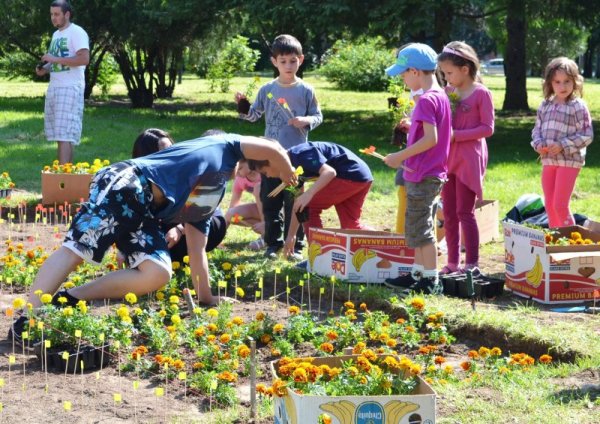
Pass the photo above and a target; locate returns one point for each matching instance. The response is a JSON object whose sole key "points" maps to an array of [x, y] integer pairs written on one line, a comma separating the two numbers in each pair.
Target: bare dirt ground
{"points": [[29, 395]]}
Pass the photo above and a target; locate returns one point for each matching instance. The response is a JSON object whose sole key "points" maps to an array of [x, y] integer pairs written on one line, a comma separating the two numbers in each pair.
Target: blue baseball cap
{"points": [[416, 55]]}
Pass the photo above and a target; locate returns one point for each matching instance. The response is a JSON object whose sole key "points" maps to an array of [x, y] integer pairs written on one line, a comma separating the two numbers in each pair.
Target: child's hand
{"points": [[542, 150], [288, 247], [302, 201], [404, 124], [299, 122], [554, 149], [394, 160], [239, 96]]}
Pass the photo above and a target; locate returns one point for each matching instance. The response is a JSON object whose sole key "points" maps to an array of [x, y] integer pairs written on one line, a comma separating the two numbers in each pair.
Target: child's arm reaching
{"points": [[428, 141], [313, 117]]}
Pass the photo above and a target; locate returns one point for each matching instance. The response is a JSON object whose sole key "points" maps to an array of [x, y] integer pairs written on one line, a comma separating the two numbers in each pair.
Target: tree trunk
{"points": [[588, 58], [514, 61], [443, 13], [135, 67], [92, 70]]}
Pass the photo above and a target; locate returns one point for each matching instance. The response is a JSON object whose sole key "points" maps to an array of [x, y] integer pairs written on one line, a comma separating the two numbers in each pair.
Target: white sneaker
{"points": [[257, 244]]}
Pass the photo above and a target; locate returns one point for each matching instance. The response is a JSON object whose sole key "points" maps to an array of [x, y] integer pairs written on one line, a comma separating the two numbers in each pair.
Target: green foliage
{"points": [[235, 57], [358, 65], [107, 75]]}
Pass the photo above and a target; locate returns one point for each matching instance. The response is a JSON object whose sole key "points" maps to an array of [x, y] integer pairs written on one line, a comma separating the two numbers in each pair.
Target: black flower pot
{"points": [[302, 215], [91, 356], [243, 106]]}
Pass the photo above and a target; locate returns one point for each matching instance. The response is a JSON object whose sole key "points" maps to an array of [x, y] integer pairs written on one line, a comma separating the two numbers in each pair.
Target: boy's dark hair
{"points": [[147, 142], [286, 44], [64, 5]]}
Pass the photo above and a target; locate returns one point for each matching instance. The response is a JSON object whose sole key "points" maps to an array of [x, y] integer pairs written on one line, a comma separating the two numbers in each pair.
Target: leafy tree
{"points": [[234, 58]]}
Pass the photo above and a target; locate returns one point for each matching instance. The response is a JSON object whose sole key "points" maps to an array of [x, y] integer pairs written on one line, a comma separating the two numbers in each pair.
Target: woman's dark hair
{"points": [[256, 165], [147, 142]]}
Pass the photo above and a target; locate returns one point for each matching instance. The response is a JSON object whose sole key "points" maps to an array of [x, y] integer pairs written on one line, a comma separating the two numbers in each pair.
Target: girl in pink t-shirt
{"points": [[472, 122]]}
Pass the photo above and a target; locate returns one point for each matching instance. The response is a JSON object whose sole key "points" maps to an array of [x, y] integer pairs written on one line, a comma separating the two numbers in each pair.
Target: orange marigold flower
{"points": [[300, 376], [265, 338], [225, 338], [439, 360], [473, 354], [227, 376], [484, 352], [349, 305], [466, 365], [326, 347], [197, 365], [331, 335], [243, 351], [400, 321], [545, 359], [363, 306], [358, 348], [279, 387], [418, 303], [260, 316]]}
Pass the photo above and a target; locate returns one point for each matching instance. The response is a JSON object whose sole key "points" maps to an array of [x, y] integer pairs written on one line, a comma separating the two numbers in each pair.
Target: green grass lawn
{"points": [[356, 120], [350, 118]]}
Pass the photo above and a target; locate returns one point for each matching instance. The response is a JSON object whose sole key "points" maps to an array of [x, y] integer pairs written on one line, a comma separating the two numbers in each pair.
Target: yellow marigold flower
{"points": [[225, 338], [278, 328], [260, 316], [212, 312], [18, 303], [162, 313], [138, 311], [68, 311], [391, 343], [279, 388], [82, 306], [174, 299], [211, 327], [353, 371], [38, 292], [131, 298], [418, 303], [237, 320], [349, 305], [243, 351], [176, 319], [294, 310], [123, 311], [211, 338], [240, 292], [265, 338], [126, 320], [186, 259], [415, 369], [496, 351], [575, 235], [484, 352], [46, 298], [175, 265], [160, 295], [226, 266], [69, 285]]}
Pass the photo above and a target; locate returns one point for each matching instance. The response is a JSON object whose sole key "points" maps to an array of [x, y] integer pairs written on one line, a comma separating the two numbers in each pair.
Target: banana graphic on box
{"points": [[395, 410], [535, 274], [342, 410], [361, 256], [314, 250]]}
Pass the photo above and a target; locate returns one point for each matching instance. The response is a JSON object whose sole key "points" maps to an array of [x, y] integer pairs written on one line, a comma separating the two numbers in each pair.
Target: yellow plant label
{"points": [[40, 325], [193, 292], [136, 385], [25, 335], [65, 355], [47, 344], [1, 382], [322, 290], [117, 344], [78, 333], [257, 293], [159, 391], [213, 385], [182, 375], [101, 337], [67, 405], [288, 290], [12, 359], [277, 270], [238, 273], [260, 283], [117, 397], [301, 283], [97, 375]]}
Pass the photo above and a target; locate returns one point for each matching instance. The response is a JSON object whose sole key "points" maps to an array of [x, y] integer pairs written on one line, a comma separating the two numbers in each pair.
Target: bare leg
{"points": [[149, 276], [53, 272], [428, 254], [65, 152]]}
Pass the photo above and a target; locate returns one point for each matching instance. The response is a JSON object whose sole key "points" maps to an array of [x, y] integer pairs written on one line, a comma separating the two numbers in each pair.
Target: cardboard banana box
{"points": [[418, 407], [358, 256], [548, 273], [60, 188]]}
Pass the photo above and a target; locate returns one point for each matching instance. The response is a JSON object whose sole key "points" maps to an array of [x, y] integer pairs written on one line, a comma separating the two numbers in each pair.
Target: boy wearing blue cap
{"points": [[425, 159]]}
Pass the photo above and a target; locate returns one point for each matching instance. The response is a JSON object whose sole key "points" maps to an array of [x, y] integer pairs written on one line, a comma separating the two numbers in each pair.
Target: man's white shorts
{"points": [[63, 114]]}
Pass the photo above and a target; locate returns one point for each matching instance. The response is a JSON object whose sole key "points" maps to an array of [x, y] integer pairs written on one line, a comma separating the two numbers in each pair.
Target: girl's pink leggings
{"points": [[558, 183]]}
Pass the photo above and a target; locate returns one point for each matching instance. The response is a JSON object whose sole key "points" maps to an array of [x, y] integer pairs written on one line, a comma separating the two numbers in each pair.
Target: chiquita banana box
{"points": [[553, 266], [358, 256], [294, 408]]}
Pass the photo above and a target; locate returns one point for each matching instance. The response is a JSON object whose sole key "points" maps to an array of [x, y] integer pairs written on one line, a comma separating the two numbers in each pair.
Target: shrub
{"points": [[235, 57], [359, 65]]}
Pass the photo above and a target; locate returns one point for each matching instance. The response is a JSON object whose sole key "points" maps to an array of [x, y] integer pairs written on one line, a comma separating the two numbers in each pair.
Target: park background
{"points": [[139, 49]]}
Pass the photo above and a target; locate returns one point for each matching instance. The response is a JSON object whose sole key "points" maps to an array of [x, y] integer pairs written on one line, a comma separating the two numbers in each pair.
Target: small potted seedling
{"points": [[399, 107]]}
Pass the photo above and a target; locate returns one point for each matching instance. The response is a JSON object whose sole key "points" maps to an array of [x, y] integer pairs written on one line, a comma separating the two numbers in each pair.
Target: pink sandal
{"points": [[447, 270]]}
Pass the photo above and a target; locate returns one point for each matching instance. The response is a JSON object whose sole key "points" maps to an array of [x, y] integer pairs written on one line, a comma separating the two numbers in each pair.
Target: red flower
{"points": [[281, 101]]}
